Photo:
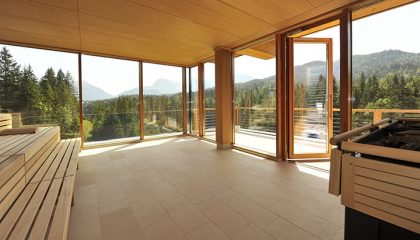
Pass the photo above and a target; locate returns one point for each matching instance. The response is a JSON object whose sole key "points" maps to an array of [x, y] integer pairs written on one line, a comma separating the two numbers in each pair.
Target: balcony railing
{"points": [[263, 119]]}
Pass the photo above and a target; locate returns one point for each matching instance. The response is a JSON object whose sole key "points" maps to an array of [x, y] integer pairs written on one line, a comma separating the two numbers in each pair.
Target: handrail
{"points": [[355, 132]]}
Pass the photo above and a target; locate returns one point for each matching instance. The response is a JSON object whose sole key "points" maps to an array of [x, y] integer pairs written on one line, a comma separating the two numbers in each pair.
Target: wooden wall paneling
{"points": [[141, 101], [224, 97], [345, 71], [184, 101], [79, 64], [201, 103]]}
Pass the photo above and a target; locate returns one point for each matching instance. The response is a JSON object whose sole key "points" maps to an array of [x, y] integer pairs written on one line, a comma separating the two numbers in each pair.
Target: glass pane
{"points": [[110, 99], [210, 101], [192, 101], [334, 34], [162, 99], [385, 62], [255, 100], [40, 87], [310, 99]]}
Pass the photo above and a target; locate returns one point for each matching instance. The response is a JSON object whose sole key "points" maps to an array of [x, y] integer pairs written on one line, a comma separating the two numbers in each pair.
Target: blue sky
{"points": [[394, 29]]}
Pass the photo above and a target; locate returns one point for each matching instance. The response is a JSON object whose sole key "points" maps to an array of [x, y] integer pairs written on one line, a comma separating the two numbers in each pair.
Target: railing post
{"points": [[377, 116]]}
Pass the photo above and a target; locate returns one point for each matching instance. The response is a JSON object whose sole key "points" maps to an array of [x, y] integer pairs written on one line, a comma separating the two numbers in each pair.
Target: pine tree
{"points": [[9, 80]]}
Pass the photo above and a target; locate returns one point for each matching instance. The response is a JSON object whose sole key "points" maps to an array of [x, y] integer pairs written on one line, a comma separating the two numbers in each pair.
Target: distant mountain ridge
{"points": [[379, 64], [92, 93]]}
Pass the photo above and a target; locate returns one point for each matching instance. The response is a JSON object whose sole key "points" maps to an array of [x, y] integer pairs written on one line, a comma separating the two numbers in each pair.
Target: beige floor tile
{"points": [[84, 195], [284, 230], [306, 220], [148, 210], [251, 232], [111, 200], [120, 224], [339, 235], [252, 211], [170, 188], [192, 191], [188, 218], [84, 179], [164, 230], [84, 221], [321, 209], [175, 203], [222, 216], [207, 232]]}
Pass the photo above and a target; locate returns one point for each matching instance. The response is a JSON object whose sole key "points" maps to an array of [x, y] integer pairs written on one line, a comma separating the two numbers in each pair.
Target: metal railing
{"points": [[263, 119]]}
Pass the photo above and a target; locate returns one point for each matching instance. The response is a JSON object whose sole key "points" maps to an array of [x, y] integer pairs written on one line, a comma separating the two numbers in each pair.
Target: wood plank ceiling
{"points": [[179, 32]]}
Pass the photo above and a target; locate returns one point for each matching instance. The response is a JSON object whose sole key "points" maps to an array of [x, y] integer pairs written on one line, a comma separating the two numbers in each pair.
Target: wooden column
{"points": [[224, 98], [184, 101], [281, 110], [82, 139], [141, 101], [201, 103], [345, 71]]}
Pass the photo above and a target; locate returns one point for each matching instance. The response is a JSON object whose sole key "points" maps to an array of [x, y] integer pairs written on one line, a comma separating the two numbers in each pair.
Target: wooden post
{"points": [[82, 140], [345, 71], [377, 116], [141, 101], [224, 98], [201, 104], [281, 97], [184, 101]]}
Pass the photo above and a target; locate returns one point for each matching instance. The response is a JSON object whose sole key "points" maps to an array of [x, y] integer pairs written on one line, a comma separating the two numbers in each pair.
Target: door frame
{"points": [[290, 107]]}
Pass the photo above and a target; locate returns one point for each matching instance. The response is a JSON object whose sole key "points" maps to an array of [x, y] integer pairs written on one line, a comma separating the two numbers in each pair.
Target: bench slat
{"points": [[71, 170], [6, 140], [11, 183], [61, 171], [9, 167], [23, 143], [9, 221], [60, 222], [40, 228], [25, 222], [32, 148], [56, 163], [47, 163], [34, 164], [11, 197]]}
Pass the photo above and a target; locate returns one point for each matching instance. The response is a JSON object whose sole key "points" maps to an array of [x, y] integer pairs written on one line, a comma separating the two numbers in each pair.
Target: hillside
{"points": [[92, 93]]}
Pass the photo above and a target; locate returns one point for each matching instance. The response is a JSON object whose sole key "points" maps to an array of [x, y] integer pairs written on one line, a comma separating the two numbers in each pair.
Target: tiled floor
{"points": [[185, 189]]}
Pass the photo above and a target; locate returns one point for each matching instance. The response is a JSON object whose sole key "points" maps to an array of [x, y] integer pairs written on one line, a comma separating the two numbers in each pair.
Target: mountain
{"points": [[160, 86], [378, 64], [387, 61], [92, 93]]}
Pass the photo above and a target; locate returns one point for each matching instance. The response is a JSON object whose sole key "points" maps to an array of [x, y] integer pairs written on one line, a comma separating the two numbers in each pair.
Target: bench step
{"points": [[42, 193]]}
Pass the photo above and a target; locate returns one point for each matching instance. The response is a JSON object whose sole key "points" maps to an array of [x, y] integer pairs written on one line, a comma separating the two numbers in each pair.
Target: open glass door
{"points": [[310, 92]]}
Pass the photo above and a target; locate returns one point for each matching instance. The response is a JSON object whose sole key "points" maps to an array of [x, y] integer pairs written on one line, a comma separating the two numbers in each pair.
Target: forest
{"points": [[394, 83]]}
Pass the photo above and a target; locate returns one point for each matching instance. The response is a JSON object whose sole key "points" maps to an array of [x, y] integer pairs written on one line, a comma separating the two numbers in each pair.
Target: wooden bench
{"points": [[5, 121], [37, 174]]}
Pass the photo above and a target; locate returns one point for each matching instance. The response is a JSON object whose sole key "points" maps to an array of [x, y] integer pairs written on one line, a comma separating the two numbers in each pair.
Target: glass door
{"points": [[311, 95]]}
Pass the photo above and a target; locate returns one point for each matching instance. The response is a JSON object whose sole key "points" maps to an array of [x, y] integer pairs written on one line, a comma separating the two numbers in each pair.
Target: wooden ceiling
{"points": [[178, 32]]}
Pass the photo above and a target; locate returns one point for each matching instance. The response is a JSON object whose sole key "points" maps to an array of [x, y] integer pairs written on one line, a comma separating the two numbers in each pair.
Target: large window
{"points": [[386, 60], [110, 99], [255, 98], [209, 101], [192, 100], [40, 87], [162, 90]]}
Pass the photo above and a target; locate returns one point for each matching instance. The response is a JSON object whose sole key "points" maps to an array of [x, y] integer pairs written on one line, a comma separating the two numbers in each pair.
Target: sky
{"points": [[394, 29]]}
